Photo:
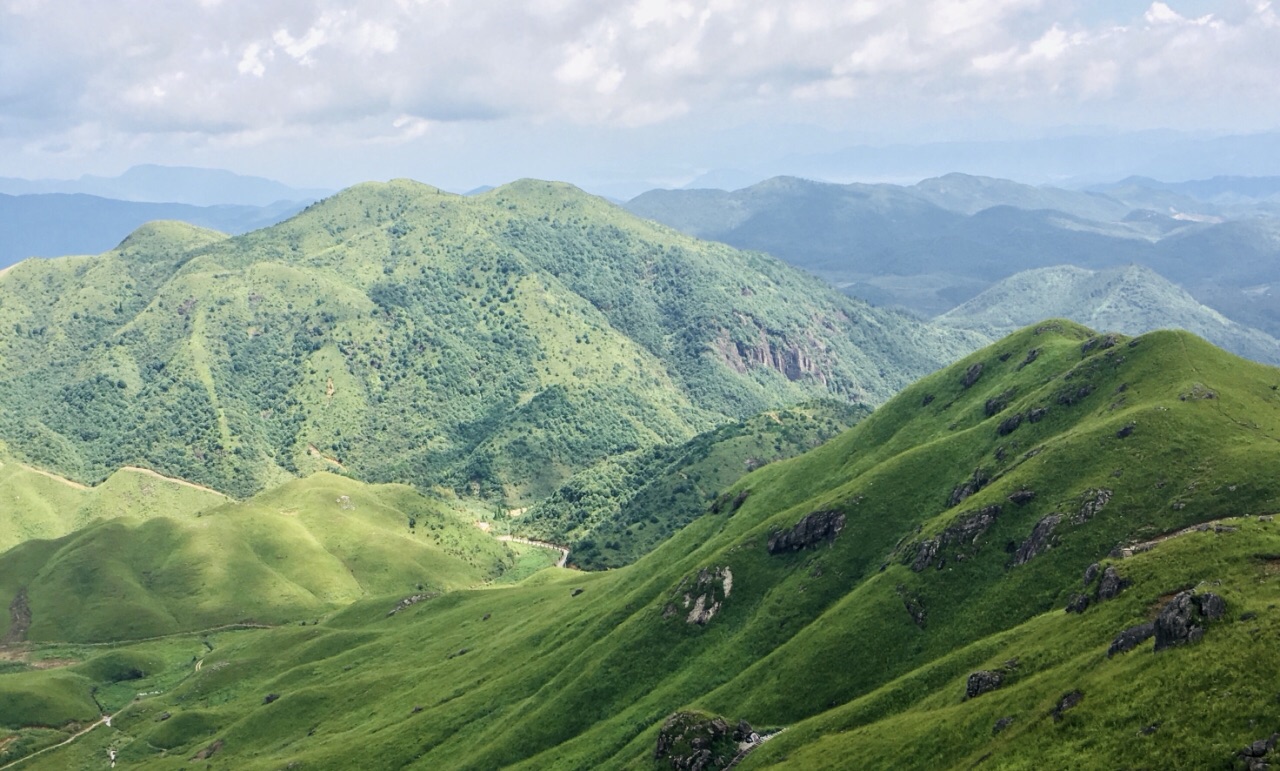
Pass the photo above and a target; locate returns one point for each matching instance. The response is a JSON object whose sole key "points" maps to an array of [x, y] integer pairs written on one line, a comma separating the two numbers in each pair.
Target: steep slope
{"points": [[616, 511], [1132, 300], [853, 597], [299, 550], [496, 343]]}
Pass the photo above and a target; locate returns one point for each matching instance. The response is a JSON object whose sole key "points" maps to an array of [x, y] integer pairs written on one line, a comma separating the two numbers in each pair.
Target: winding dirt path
{"points": [[54, 477], [564, 550], [104, 720], [175, 480]]}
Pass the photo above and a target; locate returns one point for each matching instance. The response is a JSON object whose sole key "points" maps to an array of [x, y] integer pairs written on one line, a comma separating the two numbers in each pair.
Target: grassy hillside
{"points": [[1132, 299], [616, 511], [496, 343], [850, 598], [296, 551], [37, 504]]}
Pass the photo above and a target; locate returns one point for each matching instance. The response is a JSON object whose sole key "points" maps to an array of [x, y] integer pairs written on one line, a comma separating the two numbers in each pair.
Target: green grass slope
{"points": [[294, 552], [965, 533], [38, 504], [498, 343]]}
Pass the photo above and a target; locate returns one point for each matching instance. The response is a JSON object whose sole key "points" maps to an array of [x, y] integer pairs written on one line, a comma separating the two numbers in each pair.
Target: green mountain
{"points": [[497, 343], [892, 599], [1132, 299]]}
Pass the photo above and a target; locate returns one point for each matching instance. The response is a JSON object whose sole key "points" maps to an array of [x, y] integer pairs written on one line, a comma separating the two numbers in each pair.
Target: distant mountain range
{"points": [[171, 184], [55, 224], [927, 247]]}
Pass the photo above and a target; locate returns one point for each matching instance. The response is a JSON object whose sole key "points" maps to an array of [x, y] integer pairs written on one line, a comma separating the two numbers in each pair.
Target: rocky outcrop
{"points": [[1031, 356], [965, 531], [813, 530], [1091, 503], [768, 350], [1009, 424], [1091, 573], [1182, 620], [1072, 395], [412, 600], [976, 481], [997, 404], [1255, 755], [1078, 603], [1111, 585], [1022, 497], [972, 374], [1040, 540], [1131, 638], [982, 681], [695, 741], [702, 595], [1069, 700]]}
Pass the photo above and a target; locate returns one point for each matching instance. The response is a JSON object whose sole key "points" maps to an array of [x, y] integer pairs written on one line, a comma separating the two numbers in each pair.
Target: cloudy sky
{"points": [[466, 92]]}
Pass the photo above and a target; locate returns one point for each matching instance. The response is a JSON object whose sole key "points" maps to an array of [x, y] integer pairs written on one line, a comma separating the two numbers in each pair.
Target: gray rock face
{"points": [[1079, 603], [973, 484], [1092, 503], [1182, 619], [1112, 584], [1010, 424], [702, 595], [689, 741], [814, 529], [1255, 755], [1040, 540], [1022, 497], [972, 374], [1131, 638], [1069, 700], [982, 681], [1091, 572], [964, 532]]}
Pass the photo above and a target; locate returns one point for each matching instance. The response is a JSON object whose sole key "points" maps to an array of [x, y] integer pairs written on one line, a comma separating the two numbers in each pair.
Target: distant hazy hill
{"points": [[498, 343], [54, 224], [1131, 299], [932, 245], [176, 184]]}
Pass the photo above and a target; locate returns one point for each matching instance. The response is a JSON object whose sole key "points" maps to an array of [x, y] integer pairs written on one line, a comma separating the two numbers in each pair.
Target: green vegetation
{"points": [[618, 510], [497, 344], [944, 534], [298, 551]]}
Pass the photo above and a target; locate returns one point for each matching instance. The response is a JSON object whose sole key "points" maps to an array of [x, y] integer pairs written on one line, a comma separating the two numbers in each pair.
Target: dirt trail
{"points": [[1214, 525], [564, 550], [54, 477], [104, 720], [175, 480]]}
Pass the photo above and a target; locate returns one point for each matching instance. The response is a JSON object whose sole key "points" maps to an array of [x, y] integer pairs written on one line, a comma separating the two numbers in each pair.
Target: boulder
{"points": [[1069, 700], [1040, 540], [1131, 638], [1079, 603], [694, 741], [982, 681], [1182, 619], [972, 374], [1112, 584], [814, 529]]}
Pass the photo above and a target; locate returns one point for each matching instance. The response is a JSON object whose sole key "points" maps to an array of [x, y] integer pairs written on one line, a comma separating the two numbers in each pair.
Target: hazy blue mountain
{"points": [[176, 184], [1130, 299], [54, 224]]}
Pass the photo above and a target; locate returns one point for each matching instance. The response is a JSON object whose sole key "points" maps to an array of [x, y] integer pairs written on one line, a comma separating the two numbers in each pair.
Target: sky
{"points": [[462, 93]]}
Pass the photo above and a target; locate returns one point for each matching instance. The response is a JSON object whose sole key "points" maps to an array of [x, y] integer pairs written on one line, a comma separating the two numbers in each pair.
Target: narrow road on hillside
{"points": [[564, 550], [104, 720]]}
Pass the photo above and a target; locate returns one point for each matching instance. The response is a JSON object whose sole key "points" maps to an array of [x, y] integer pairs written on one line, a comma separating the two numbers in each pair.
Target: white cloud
{"points": [[305, 66]]}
